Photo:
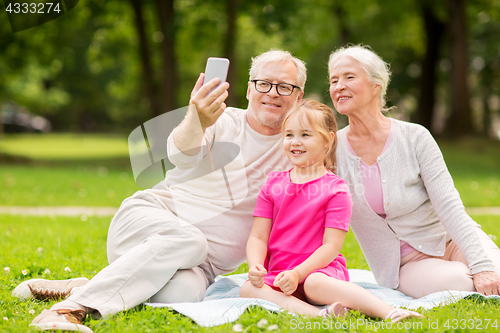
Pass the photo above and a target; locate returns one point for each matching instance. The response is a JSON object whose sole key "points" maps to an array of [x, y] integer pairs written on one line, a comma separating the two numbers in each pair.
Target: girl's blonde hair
{"points": [[321, 118]]}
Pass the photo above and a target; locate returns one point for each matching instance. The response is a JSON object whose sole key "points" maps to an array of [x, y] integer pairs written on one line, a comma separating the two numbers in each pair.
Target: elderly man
{"points": [[167, 244]]}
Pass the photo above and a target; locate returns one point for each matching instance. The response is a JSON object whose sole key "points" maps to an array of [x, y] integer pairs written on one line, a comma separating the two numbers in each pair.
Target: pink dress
{"points": [[300, 214]]}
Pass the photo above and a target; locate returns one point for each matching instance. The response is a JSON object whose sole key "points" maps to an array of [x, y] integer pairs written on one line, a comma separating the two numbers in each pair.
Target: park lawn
{"points": [[76, 184], [64, 146], [94, 170], [66, 247], [64, 169], [475, 167]]}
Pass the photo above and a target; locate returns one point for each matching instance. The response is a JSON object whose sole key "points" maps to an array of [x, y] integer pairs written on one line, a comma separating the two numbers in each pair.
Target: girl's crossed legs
{"points": [[321, 289]]}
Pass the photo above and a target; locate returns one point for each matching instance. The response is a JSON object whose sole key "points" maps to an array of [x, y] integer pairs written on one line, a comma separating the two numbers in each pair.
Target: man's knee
{"points": [[200, 242], [188, 285], [196, 247], [188, 243]]}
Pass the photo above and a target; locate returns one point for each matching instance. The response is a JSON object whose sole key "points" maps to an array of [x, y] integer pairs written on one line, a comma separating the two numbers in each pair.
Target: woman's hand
{"points": [[287, 281], [256, 275], [487, 283]]}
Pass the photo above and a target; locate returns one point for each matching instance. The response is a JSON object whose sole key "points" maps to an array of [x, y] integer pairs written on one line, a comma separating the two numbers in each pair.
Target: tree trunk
{"points": [[434, 30], [170, 77], [487, 123], [460, 119], [341, 15], [229, 50], [145, 53]]}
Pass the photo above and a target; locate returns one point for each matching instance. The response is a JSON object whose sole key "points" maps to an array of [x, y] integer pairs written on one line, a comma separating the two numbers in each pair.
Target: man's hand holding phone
{"points": [[210, 92], [205, 106]]}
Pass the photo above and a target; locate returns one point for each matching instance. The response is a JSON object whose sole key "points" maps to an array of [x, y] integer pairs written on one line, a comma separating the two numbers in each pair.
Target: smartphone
{"points": [[216, 67]]}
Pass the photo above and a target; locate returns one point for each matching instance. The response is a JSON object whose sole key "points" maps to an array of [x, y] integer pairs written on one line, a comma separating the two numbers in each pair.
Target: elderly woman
{"points": [[407, 215]]}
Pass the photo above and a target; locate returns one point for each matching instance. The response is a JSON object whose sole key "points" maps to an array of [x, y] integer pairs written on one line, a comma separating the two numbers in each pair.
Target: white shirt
{"points": [[219, 197]]}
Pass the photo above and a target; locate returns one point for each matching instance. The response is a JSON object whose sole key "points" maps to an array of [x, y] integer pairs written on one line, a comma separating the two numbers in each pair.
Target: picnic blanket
{"points": [[222, 303]]}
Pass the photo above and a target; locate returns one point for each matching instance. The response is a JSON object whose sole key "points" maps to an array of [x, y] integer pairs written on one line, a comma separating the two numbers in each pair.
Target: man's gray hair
{"points": [[278, 56], [378, 70]]}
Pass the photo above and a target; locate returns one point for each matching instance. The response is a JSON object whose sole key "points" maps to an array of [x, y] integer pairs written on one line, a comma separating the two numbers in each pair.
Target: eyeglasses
{"points": [[283, 89]]}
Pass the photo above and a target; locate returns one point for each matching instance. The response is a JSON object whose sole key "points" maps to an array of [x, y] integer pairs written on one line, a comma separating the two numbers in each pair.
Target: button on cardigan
{"points": [[422, 206]]}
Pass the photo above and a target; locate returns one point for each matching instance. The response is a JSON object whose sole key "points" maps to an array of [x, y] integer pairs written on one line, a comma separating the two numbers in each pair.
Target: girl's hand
{"points": [[256, 275], [287, 281]]}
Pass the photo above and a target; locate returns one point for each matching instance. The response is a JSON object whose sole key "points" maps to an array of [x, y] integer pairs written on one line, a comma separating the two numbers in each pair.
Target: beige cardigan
{"points": [[422, 206]]}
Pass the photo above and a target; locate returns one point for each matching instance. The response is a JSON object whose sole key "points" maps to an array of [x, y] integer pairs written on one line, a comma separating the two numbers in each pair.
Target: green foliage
{"points": [[74, 69], [83, 69]]}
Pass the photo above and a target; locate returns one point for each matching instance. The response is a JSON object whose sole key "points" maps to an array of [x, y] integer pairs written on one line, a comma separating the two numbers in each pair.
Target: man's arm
{"points": [[203, 111]]}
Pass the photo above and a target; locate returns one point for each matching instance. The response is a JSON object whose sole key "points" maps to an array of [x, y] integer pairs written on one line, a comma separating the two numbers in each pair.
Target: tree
{"points": [[113, 64], [230, 47], [341, 15], [169, 78], [434, 29], [460, 118], [145, 53], [486, 62]]}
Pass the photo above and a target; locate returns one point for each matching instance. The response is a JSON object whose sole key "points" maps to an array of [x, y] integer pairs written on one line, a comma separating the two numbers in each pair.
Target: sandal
{"points": [[336, 310], [61, 320]]}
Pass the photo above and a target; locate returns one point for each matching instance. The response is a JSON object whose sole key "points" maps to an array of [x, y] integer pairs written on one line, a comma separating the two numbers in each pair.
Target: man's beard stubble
{"points": [[271, 120]]}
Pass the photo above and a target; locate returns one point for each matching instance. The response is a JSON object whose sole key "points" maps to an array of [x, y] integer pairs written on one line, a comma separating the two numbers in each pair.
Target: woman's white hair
{"points": [[378, 70], [278, 56]]}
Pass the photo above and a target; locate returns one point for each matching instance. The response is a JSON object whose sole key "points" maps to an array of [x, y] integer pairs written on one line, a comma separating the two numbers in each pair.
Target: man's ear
{"points": [[248, 91], [300, 95]]}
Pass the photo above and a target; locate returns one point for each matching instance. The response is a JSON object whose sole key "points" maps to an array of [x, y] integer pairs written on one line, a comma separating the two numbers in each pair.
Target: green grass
{"points": [[35, 244], [64, 146], [475, 167], [85, 184], [94, 170], [65, 170]]}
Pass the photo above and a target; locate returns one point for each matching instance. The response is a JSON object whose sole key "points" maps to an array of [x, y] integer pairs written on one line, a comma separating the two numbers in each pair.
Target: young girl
{"points": [[301, 218]]}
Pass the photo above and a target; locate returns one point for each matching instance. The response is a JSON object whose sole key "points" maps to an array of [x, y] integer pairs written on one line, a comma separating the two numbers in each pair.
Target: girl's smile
{"points": [[304, 146]]}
